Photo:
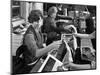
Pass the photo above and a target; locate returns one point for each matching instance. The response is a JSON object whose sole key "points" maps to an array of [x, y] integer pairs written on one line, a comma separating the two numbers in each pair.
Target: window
{"points": [[16, 12]]}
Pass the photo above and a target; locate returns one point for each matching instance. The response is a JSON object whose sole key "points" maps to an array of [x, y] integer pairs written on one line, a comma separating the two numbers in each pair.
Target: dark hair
{"points": [[34, 16], [59, 5]]}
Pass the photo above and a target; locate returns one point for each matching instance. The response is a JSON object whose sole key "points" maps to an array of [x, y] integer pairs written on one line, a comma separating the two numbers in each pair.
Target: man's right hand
{"points": [[56, 44]]}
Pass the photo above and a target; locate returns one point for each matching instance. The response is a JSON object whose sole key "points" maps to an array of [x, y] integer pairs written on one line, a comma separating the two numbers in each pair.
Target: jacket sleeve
{"points": [[30, 42], [55, 28]]}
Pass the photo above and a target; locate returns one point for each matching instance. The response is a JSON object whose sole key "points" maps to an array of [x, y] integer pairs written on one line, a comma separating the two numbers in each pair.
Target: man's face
{"points": [[40, 22], [89, 53], [54, 15]]}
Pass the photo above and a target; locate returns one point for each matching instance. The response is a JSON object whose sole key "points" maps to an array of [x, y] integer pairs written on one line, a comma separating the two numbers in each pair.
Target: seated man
{"points": [[53, 32], [33, 42]]}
